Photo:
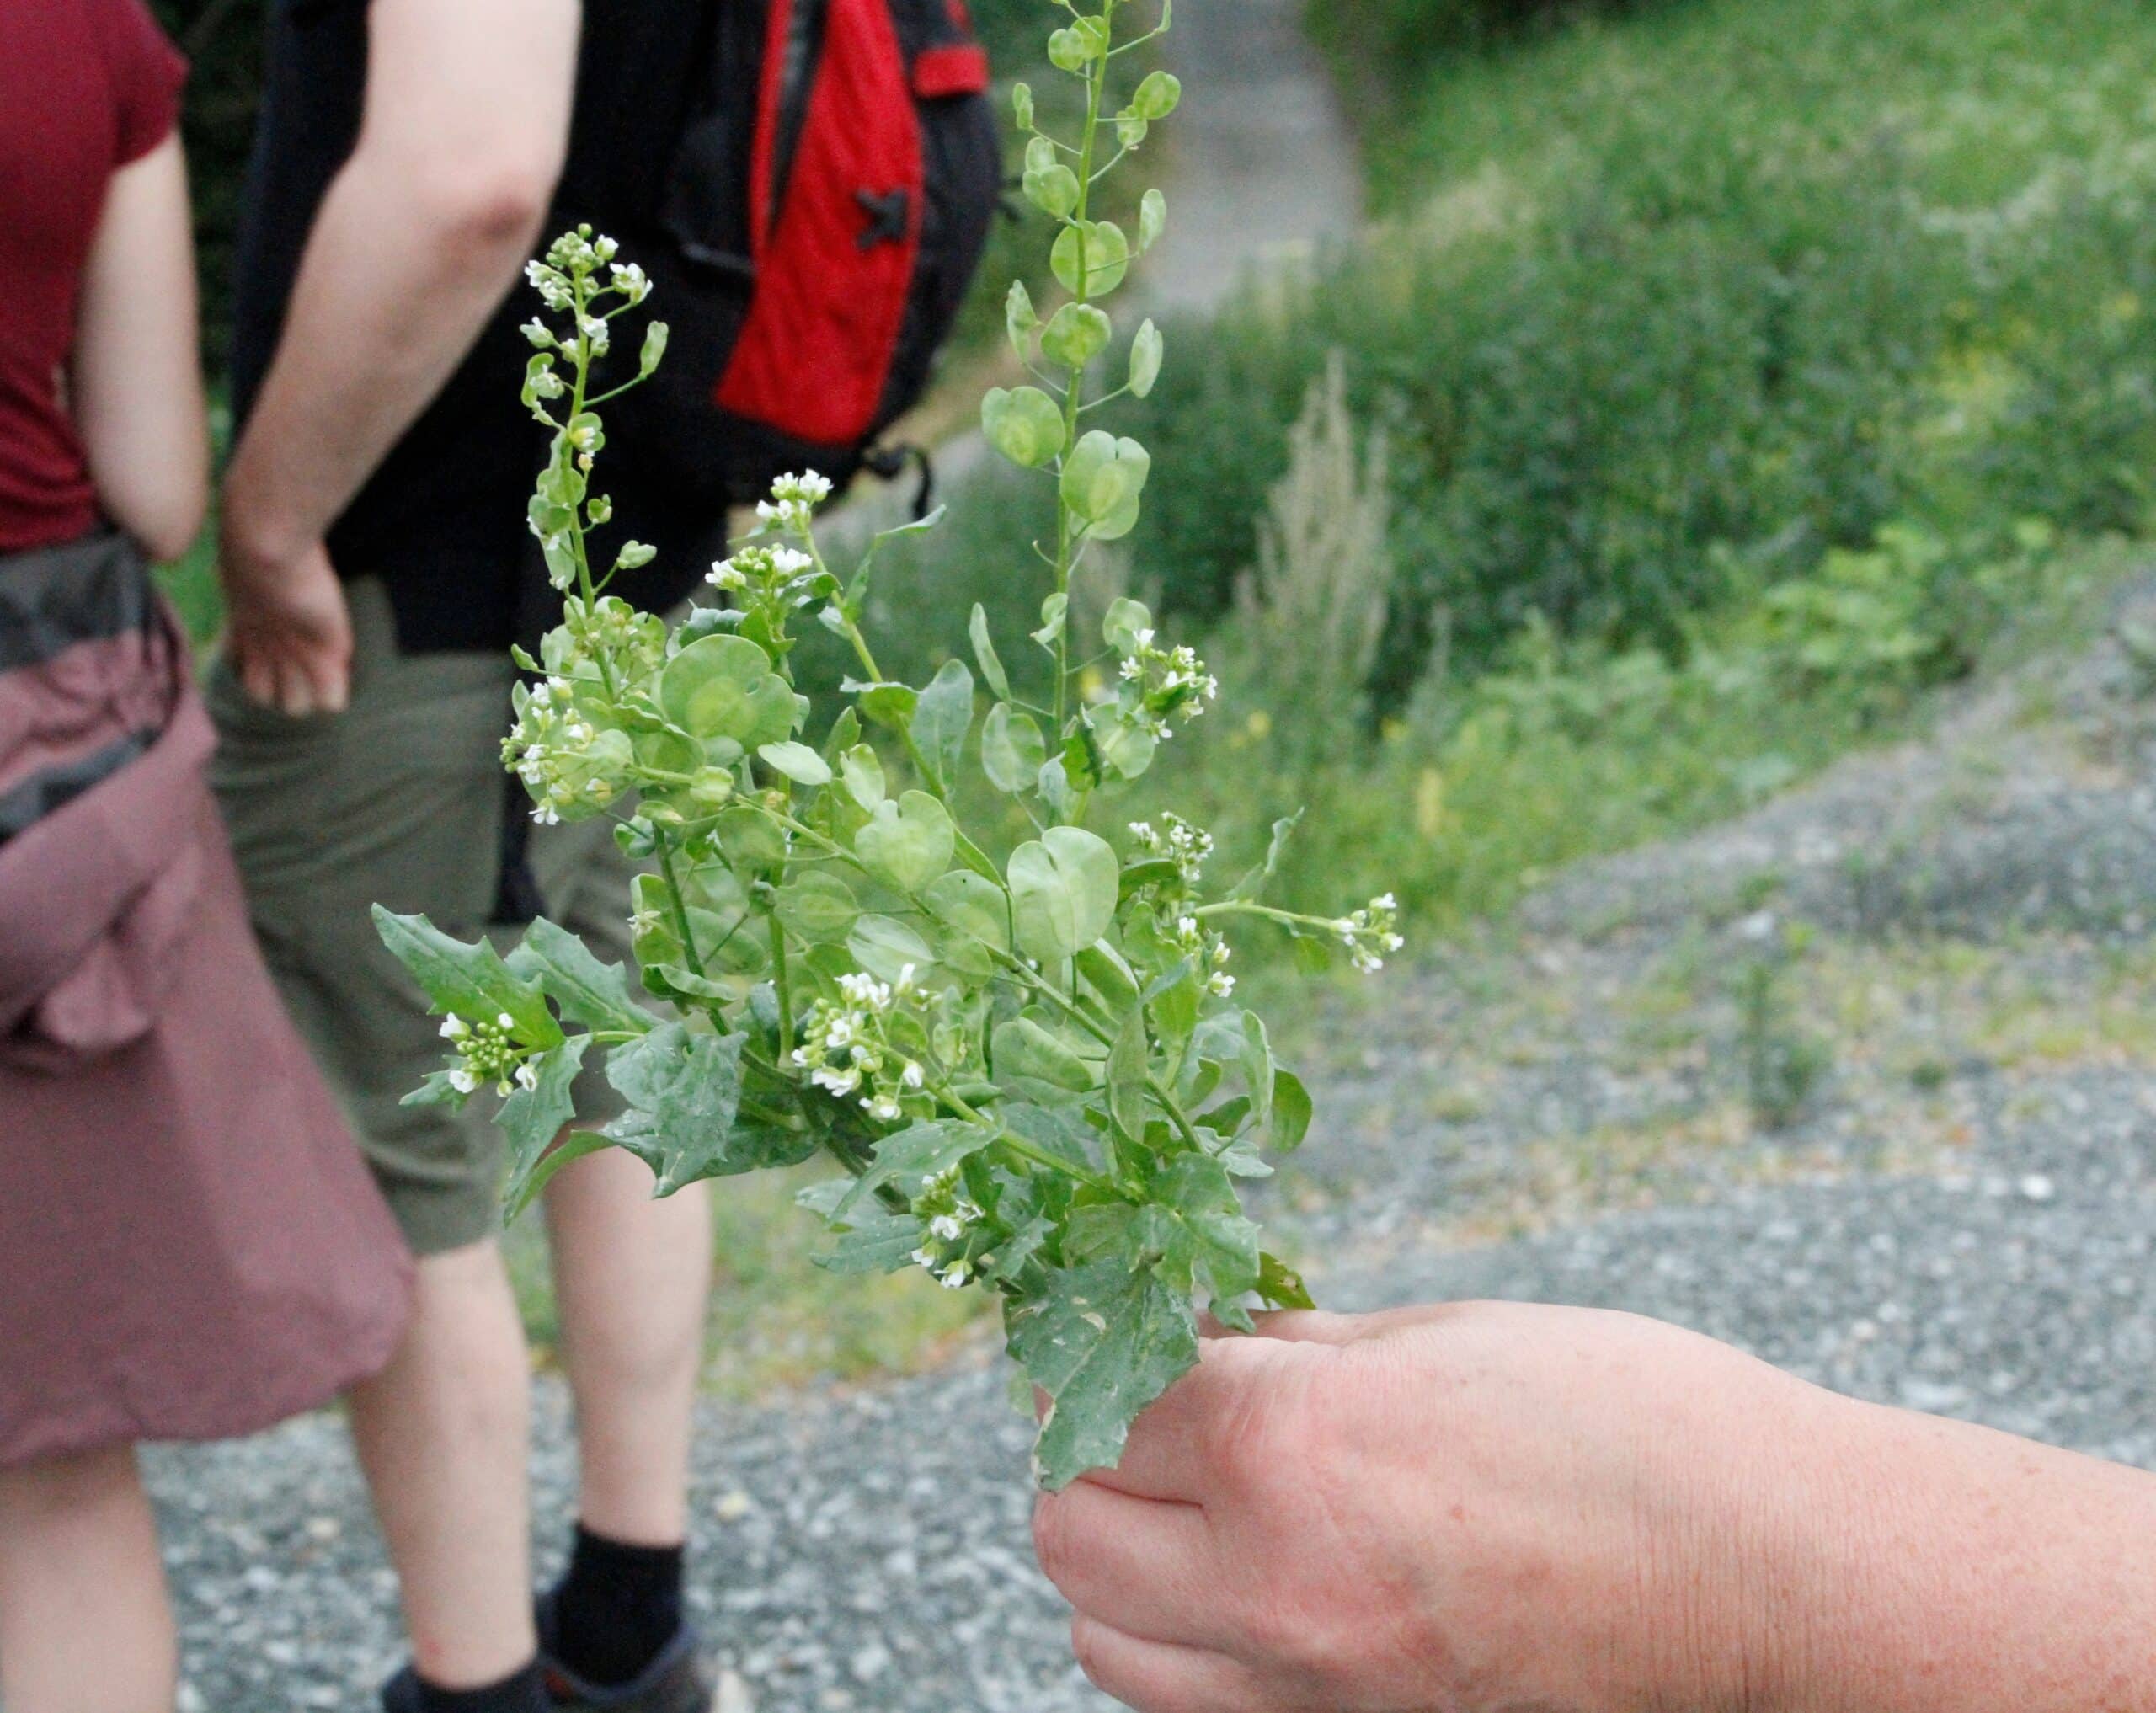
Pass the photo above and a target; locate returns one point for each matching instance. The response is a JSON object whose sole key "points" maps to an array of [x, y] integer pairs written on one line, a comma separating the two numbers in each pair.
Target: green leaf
{"points": [[1011, 1256], [1126, 747], [531, 1118], [1124, 621], [889, 705], [1095, 246], [1067, 51], [1152, 220], [874, 1241], [942, 719], [1174, 1010], [1101, 967], [1023, 423], [797, 762], [1063, 892], [908, 843], [469, 981], [1257, 1067], [654, 348], [1054, 611], [574, 1147], [1054, 189], [975, 914], [722, 687], [1126, 1075], [588, 992], [1292, 1111], [915, 1154], [817, 908], [1146, 351], [1011, 750], [1021, 104], [1028, 1053], [1060, 1130], [1019, 318], [1103, 1342], [991, 663], [1157, 96], [1101, 481], [683, 1087], [861, 771], [884, 947], [1252, 883], [1077, 334], [1281, 1285]]}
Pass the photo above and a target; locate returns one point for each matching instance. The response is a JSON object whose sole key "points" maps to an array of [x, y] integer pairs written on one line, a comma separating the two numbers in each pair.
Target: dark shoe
{"points": [[677, 1681], [401, 1694]]}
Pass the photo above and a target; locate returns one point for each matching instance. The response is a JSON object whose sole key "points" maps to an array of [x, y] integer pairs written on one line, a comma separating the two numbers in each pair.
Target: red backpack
{"points": [[823, 237]]}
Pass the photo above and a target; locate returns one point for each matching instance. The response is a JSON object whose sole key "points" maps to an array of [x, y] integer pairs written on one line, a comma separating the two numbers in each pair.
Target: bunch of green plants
{"points": [[1031, 1067]]}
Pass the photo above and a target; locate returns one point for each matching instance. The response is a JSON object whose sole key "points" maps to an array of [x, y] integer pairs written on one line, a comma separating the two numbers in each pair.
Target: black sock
{"points": [[616, 1608], [521, 1692]]}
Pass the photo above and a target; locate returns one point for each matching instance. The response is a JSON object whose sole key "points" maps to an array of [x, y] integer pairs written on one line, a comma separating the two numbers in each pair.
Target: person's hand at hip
{"points": [[288, 632]]}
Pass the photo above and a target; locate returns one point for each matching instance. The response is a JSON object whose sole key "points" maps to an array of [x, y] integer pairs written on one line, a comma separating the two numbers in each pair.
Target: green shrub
{"points": [[1679, 308], [1391, 39]]}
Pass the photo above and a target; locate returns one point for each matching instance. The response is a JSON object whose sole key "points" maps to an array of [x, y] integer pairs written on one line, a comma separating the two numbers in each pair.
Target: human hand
{"points": [[288, 632], [1452, 1510]]}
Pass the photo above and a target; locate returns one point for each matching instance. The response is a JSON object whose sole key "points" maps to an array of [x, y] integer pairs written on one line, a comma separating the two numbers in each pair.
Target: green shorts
{"points": [[398, 800]]}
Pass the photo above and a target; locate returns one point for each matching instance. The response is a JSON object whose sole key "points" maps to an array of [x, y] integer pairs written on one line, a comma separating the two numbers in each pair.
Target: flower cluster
{"points": [[605, 639], [1371, 932], [487, 1054], [1164, 684], [770, 577], [1187, 847], [951, 1215], [572, 769], [794, 501], [847, 1049]]}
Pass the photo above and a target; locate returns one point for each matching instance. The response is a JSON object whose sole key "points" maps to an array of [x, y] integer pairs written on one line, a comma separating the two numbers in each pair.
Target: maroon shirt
{"points": [[85, 85]]}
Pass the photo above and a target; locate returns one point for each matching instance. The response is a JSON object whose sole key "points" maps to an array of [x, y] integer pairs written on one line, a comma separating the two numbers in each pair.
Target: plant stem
{"points": [[665, 849]]}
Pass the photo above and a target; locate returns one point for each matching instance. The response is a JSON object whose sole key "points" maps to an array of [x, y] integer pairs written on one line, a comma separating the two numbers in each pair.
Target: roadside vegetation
{"points": [[1722, 378]]}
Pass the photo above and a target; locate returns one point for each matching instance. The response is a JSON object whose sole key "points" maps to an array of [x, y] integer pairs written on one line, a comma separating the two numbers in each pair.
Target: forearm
{"points": [[396, 283], [1949, 1569]]}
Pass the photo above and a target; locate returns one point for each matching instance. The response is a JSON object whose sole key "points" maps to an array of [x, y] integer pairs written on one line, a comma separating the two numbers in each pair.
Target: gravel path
{"points": [[1959, 1216]]}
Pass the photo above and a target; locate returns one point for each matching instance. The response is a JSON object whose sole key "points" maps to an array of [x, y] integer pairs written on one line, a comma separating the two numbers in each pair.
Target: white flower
{"points": [[790, 562], [946, 1226], [454, 1028], [724, 574], [912, 1076], [463, 1080], [527, 1075]]}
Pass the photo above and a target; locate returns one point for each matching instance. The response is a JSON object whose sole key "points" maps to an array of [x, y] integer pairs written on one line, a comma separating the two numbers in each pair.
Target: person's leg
{"points": [[443, 1437], [84, 1625], [631, 1275], [631, 1278], [399, 799]]}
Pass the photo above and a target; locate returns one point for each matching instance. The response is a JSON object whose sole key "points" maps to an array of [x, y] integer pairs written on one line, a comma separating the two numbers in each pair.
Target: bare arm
{"points": [[461, 140], [134, 385], [1459, 1510]]}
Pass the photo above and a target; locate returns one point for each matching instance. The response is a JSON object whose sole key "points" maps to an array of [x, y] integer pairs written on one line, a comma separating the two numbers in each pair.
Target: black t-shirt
{"points": [[442, 520]]}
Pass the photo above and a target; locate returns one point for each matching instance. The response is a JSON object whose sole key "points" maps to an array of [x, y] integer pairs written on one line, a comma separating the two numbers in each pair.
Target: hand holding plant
{"points": [[1030, 1069]]}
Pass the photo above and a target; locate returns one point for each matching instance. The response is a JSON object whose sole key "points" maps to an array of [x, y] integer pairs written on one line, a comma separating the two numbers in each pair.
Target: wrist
{"points": [[1758, 1580]]}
